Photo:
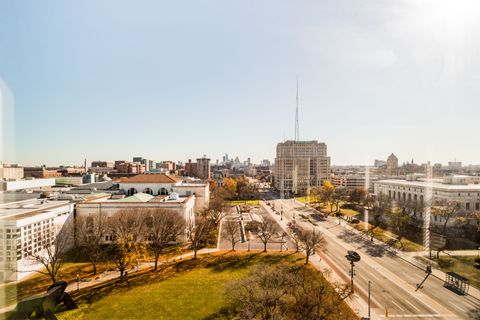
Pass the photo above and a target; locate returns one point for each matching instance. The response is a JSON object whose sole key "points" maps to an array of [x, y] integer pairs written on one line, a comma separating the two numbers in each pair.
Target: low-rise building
{"points": [[27, 184], [163, 184], [110, 205], [349, 181], [41, 172], [11, 172], [415, 190]]}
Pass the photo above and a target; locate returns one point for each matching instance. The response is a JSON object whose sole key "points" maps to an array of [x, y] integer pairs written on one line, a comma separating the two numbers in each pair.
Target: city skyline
{"points": [[167, 82]]}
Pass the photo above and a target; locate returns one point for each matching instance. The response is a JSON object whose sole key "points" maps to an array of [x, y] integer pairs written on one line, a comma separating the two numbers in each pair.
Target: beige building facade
{"points": [[300, 165]]}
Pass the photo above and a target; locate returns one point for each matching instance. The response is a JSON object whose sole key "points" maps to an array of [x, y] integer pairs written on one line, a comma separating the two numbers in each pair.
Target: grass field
{"points": [[389, 237], [252, 202], [462, 265], [190, 289]]}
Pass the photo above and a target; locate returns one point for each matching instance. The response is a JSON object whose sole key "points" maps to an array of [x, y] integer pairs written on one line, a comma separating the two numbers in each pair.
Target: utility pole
{"points": [[369, 283]]}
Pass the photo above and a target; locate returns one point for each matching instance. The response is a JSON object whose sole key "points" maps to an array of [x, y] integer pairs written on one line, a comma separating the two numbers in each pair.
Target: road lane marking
{"points": [[424, 315]]}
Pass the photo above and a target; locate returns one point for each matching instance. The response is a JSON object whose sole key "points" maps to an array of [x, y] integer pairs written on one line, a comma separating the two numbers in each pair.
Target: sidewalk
{"points": [[110, 275], [446, 253]]}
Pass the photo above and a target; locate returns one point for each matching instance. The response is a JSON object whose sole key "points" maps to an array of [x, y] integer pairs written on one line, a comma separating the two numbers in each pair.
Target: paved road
{"points": [[393, 279]]}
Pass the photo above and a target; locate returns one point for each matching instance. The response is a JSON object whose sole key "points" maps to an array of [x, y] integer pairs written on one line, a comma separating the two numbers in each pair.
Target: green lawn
{"points": [[190, 289], [306, 199], [252, 202], [462, 265], [389, 237], [194, 295]]}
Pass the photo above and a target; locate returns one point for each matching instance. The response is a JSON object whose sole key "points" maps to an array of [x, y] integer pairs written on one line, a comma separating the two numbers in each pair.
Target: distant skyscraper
{"points": [[300, 165]]}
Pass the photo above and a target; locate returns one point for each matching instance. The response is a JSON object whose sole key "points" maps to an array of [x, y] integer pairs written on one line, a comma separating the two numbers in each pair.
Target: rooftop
{"points": [[26, 208], [434, 184], [153, 178], [141, 198]]}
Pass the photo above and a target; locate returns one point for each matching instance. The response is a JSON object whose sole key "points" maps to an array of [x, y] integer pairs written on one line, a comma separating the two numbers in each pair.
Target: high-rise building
{"points": [[203, 168], [300, 165]]}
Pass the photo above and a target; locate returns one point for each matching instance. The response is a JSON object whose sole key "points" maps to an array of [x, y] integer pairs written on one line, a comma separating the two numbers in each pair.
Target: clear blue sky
{"points": [[179, 79]]}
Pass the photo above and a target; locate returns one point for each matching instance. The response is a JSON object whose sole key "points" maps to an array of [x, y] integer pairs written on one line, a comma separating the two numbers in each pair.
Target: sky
{"points": [[174, 80]]}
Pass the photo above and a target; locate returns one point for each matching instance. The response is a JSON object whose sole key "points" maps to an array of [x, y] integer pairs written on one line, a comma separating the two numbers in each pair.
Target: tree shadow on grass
{"points": [[226, 312], [233, 261], [371, 248]]}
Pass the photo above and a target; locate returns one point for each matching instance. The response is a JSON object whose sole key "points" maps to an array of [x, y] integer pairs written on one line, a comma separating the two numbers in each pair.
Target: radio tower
{"points": [[296, 118]]}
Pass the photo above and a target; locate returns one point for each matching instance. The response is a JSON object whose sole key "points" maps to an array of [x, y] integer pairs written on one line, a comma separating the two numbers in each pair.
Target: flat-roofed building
{"points": [[27, 184], [110, 205], [163, 184], [351, 181], [11, 172], [300, 165], [41, 172], [26, 228], [415, 190]]}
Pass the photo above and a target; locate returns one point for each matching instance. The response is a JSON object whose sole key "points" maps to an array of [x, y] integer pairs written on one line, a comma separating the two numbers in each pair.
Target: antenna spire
{"points": [[296, 118]]}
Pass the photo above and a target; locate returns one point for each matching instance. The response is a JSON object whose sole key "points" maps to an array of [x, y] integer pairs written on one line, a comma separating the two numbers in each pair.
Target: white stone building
{"points": [[108, 205], [26, 184], [26, 227], [162, 184], [465, 190]]}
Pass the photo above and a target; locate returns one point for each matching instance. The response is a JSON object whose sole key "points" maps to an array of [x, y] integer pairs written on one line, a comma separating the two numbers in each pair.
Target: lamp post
{"points": [[353, 257], [369, 283], [281, 212]]}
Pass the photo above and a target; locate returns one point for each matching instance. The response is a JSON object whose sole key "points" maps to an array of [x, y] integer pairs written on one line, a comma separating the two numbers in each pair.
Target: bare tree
{"points": [[90, 232], [231, 231], [381, 206], [217, 208], [288, 292], [311, 241], [339, 194], [445, 210], [295, 235], [198, 234], [51, 252], [162, 226], [398, 220], [314, 297], [266, 230], [261, 295], [126, 227]]}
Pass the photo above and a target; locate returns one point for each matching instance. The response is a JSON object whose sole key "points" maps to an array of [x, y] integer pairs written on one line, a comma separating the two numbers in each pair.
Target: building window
{"points": [[467, 205]]}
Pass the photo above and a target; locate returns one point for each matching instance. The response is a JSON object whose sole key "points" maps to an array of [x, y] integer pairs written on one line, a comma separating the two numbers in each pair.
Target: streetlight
{"points": [[283, 241], [281, 212], [353, 257], [369, 283]]}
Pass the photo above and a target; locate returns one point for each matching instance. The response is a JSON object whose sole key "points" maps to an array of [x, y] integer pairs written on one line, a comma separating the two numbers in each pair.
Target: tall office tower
{"points": [[300, 165], [203, 168]]}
